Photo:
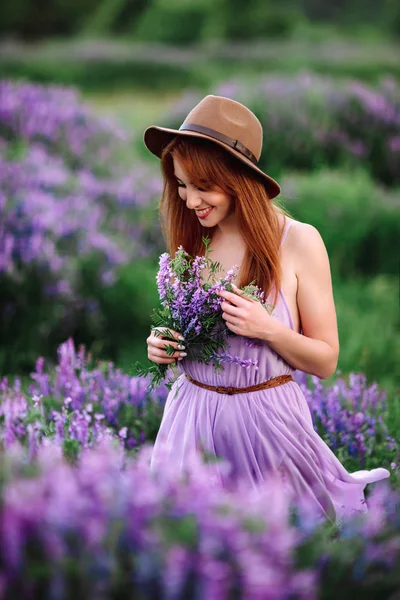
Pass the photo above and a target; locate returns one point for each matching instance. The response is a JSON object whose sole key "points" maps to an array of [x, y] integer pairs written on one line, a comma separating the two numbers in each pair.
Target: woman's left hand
{"points": [[245, 316]]}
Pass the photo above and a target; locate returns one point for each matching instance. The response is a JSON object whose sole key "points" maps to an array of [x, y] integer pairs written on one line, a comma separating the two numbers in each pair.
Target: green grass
{"points": [[368, 321], [135, 109]]}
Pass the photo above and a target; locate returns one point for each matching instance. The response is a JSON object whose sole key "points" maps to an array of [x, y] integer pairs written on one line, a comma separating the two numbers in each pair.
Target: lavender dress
{"points": [[259, 433]]}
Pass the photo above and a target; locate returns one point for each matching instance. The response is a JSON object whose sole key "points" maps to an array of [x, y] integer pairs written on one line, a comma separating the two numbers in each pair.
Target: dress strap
{"points": [[285, 231]]}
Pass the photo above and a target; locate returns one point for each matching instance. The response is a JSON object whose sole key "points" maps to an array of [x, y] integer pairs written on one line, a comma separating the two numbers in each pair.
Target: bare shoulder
{"points": [[305, 245], [303, 234]]}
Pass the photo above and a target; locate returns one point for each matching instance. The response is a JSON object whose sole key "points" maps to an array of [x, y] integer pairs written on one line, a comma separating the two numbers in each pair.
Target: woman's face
{"points": [[212, 207]]}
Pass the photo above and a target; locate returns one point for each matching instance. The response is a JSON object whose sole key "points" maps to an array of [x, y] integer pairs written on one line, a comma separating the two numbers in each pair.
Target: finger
{"points": [[166, 332], [162, 361], [161, 353], [232, 327], [231, 320], [164, 351], [164, 354], [230, 309], [235, 299], [156, 342]]}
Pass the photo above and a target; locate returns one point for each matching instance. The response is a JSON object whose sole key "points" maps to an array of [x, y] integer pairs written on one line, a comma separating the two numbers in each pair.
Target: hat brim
{"points": [[157, 138]]}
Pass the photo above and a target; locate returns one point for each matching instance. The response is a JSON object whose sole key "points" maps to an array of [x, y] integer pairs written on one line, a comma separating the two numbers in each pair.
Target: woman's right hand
{"points": [[157, 344]]}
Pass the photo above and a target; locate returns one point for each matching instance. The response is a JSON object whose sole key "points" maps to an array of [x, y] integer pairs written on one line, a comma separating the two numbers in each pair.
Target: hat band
{"points": [[236, 144]]}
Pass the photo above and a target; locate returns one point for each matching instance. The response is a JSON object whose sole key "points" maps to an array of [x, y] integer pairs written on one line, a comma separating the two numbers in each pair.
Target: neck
{"points": [[229, 229]]}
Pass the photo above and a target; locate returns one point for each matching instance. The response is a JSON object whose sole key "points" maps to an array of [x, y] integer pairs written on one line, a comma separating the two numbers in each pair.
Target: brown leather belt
{"points": [[275, 381]]}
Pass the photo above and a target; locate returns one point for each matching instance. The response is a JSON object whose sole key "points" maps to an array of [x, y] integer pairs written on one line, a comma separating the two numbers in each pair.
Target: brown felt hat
{"points": [[226, 122]]}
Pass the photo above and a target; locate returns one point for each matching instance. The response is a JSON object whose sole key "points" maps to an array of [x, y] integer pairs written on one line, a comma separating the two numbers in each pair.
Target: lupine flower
{"points": [[192, 307], [349, 417], [77, 405]]}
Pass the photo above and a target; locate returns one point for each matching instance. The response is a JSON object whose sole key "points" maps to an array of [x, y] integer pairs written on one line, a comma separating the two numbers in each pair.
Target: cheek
{"points": [[221, 201]]}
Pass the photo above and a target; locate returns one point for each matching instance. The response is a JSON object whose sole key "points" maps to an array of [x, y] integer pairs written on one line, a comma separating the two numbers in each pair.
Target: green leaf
{"points": [[71, 449], [182, 530]]}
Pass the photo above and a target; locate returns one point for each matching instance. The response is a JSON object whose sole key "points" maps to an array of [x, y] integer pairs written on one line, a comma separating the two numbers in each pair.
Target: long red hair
{"points": [[208, 164]]}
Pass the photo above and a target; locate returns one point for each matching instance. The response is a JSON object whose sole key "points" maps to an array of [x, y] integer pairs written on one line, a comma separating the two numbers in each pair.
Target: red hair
{"points": [[208, 165]]}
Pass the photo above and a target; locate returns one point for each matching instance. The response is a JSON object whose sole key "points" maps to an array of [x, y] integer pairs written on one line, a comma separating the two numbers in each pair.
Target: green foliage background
{"points": [[191, 21]]}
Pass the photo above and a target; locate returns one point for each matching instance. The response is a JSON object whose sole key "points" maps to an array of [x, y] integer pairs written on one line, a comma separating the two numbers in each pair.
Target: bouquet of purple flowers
{"points": [[191, 305]]}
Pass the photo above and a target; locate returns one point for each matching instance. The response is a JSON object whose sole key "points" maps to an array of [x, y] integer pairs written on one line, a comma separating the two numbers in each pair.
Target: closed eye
{"points": [[182, 185]]}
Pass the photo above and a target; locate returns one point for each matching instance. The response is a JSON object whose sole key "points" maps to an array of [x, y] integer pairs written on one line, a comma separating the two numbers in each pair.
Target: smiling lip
{"points": [[204, 215]]}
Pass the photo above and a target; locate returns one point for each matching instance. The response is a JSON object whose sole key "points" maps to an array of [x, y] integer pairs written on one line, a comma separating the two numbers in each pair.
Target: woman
{"points": [[258, 419]]}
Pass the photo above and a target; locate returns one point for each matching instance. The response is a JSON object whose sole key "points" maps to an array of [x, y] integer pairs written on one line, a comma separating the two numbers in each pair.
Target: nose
{"points": [[193, 199]]}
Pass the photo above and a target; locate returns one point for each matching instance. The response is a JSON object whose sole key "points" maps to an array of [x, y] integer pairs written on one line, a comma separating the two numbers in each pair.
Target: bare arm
{"points": [[317, 350]]}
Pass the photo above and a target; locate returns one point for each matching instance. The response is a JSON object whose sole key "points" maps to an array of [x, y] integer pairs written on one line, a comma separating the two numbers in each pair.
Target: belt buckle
{"points": [[229, 391], [224, 390]]}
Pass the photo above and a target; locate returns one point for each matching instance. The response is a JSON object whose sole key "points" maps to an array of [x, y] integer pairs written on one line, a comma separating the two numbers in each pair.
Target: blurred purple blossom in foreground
{"points": [[113, 528]]}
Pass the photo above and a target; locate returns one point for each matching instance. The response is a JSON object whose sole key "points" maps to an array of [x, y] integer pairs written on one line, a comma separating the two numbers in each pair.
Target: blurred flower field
{"points": [[70, 203]]}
